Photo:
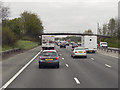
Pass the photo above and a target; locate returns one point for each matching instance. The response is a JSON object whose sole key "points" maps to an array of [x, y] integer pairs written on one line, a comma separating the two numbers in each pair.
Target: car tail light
{"points": [[84, 51], [57, 58], [41, 58], [75, 51]]}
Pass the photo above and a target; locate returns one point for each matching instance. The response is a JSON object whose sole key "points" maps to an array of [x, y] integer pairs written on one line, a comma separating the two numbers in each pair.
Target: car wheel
{"points": [[40, 66], [85, 56], [73, 56], [57, 66]]}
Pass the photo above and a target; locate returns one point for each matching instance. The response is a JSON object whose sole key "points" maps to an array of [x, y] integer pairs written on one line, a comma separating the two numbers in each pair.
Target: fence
{"points": [[110, 49], [10, 51]]}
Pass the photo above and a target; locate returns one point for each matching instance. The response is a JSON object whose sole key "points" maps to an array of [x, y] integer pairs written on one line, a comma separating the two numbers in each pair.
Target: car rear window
{"points": [[75, 44], [79, 48], [49, 53], [104, 43]]}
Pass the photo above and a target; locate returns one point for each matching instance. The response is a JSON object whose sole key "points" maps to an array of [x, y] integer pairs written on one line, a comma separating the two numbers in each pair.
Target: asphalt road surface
{"points": [[95, 71]]}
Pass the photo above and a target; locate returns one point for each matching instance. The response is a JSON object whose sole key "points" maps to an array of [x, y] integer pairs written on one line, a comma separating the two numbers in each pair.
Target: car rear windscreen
{"points": [[79, 49], [49, 53]]}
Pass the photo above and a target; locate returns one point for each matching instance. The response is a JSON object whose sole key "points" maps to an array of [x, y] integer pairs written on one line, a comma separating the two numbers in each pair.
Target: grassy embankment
{"points": [[112, 42], [21, 44]]}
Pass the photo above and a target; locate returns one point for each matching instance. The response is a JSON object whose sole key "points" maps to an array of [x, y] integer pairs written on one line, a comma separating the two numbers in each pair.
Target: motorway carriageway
{"points": [[95, 71]]}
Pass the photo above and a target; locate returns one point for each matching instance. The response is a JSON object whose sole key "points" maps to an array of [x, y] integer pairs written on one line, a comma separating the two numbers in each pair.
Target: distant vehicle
{"points": [[79, 51], [79, 44], [103, 44], [74, 45], [97, 45], [58, 43], [48, 42], [89, 43], [67, 43], [62, 44], [49, 58]]}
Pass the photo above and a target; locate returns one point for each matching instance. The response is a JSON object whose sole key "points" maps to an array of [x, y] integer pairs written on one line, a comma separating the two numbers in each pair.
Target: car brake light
{"points": [[75, 51], [57, 58], [41, 58]]}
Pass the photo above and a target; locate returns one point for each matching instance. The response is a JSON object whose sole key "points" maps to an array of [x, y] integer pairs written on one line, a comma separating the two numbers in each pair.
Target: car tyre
{"points": [[73, 56], [57, 66], [40, 66]]}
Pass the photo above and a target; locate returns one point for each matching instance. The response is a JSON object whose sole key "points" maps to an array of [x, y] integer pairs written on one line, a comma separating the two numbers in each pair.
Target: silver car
{"points": [[79, 51]]}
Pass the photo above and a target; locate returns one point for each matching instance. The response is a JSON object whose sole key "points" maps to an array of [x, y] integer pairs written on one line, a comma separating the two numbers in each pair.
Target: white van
{"points": [[103, 44]]}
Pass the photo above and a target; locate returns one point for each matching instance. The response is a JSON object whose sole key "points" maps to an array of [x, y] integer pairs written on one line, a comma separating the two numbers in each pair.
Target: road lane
{"points": [[33, 77], [89, 73], [13, 64], [100, 75]]}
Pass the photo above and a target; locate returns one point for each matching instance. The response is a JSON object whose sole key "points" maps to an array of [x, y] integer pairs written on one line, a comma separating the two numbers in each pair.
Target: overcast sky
{"points": [[67, 15]]}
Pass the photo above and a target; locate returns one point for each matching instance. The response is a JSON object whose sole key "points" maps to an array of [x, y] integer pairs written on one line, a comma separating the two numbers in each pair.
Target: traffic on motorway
{"points": [[50, 57], [58, 64]]}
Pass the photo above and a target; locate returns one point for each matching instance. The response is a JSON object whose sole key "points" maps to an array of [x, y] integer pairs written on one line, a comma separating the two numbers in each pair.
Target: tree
{"points": [[104, 29], [16, 26], [32, 25], [89, 31], [8, 37], [111, 27]]}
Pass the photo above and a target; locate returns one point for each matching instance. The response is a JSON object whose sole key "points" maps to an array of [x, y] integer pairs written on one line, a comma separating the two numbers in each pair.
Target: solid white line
{"points": [[62, 58], [19, 72], [92, 58], [77, 81], [67, 65], [107, 65]]}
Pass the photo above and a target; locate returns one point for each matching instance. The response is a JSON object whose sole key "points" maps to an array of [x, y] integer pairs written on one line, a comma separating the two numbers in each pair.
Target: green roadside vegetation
{"points": [[22, 32], [23, 44], [112, 42]]}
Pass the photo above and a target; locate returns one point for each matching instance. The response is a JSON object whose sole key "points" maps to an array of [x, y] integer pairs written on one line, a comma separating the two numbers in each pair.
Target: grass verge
{"points": [[23, 44]]}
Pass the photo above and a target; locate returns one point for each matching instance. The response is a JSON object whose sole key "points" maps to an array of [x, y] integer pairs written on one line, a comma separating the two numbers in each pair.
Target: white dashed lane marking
{"points": [[67, 65], [107, 65], [92, 58], [76, 80]]}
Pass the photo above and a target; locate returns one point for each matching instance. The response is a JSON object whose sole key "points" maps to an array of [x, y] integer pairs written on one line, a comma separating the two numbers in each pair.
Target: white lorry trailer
{"points": [[89, 43], [48, 42]]}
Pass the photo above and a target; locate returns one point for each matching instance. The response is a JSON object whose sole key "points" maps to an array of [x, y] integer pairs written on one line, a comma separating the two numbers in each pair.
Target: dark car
{"points": [[74, 45], [62, 44], [49, 58]]}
